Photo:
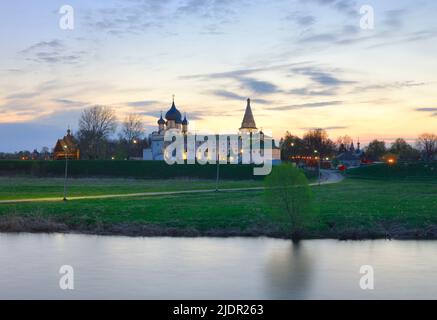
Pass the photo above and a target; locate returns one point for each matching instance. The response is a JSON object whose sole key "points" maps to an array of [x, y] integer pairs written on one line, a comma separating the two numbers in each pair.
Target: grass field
{"points": [[354, 206], [22, 188]]}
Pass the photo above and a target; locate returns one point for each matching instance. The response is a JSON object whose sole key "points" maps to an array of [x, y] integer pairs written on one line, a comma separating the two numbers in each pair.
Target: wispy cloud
{"points": [[53, 44], [321, 77], [211, 9], [70, 103], [251, 84], [51, 52], [234, 96], [426, 109], [22, 95], [348, 7], [143, 103], [139, 16], [258, 86], [387, 86], [303, 20], [326, 128], [307, 105], [431, 111], [312, 93]]}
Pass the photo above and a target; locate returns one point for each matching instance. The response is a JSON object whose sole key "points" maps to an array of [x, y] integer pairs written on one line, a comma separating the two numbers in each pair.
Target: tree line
{"points": [[97, 127], [97, 138], [316, 142], [96, 135]]}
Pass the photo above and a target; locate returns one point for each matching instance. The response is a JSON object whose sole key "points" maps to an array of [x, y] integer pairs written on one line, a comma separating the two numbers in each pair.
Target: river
{"points": [[213, 268]]}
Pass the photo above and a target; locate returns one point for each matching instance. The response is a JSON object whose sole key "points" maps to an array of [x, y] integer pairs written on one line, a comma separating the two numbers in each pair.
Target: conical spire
{"points": [[248, 120]]}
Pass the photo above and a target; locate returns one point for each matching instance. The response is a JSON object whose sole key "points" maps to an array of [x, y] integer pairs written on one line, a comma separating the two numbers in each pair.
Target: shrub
{"points": [[287, 191]]}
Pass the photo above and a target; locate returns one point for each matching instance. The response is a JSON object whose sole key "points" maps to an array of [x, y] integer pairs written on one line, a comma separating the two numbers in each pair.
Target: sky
{"points": [[304, 63]]}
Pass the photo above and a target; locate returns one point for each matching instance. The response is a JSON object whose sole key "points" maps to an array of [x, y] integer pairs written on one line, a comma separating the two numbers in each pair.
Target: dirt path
{"points": [[328, 177]]}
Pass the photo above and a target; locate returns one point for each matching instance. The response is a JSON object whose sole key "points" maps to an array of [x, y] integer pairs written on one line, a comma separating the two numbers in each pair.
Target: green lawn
{"points": [[352, 204], [22, 188]]}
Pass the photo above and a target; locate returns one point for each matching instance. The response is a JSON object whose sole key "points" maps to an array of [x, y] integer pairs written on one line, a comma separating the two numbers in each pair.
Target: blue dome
{"points": [[185, 121], [174, 114], [161, 121]]}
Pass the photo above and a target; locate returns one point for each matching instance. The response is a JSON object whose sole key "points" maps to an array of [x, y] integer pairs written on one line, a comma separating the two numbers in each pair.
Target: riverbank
{"points": [[24, 224], [352, 209]]}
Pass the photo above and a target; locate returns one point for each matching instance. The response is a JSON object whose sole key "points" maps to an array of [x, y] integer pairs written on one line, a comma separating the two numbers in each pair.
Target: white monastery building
{"points": [[173, 121]]}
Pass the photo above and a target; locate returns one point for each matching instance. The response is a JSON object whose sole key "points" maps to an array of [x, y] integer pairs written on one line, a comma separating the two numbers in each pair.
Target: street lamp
{"points": [[218, 167], [66, 172], [319, 173], [134, 142]]}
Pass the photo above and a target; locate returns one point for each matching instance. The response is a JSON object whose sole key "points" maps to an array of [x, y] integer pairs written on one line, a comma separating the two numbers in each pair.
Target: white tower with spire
{"points": [[248, 124]]}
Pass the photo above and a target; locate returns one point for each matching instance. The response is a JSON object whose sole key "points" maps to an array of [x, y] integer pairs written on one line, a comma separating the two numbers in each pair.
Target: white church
{"points": [[173, 120]]}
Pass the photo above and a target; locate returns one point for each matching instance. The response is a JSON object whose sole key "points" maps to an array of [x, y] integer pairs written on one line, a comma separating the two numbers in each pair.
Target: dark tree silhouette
{"points": [[96, 125]]}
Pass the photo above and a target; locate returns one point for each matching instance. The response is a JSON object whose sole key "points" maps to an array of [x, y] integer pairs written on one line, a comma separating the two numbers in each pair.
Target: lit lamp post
{"points": [[218, 167], [217, 175], [292, 152], [318, 170], [134, 142], [66, 172]]}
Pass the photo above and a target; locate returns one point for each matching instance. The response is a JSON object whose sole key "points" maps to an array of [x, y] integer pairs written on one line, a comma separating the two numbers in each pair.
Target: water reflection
{"points": [[288, 272], [212, 268]]}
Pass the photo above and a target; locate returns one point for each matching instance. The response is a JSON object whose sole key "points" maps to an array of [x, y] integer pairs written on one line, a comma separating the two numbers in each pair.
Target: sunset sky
{"points": [[305, 64]]}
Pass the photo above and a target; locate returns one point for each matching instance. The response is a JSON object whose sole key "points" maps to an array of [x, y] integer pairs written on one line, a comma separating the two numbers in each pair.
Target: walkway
{"points": [[328, 177]]}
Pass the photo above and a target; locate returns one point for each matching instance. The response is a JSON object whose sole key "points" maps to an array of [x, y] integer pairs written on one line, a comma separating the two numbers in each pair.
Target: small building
{"points": [[349, 159], [66, 148]]}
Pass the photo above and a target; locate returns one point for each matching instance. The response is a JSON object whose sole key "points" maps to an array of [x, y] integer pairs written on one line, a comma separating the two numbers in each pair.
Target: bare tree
{"points": [[132, 127], [96, 125], [132, 131], [427, 143], [346, 140], [343, 143]]}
